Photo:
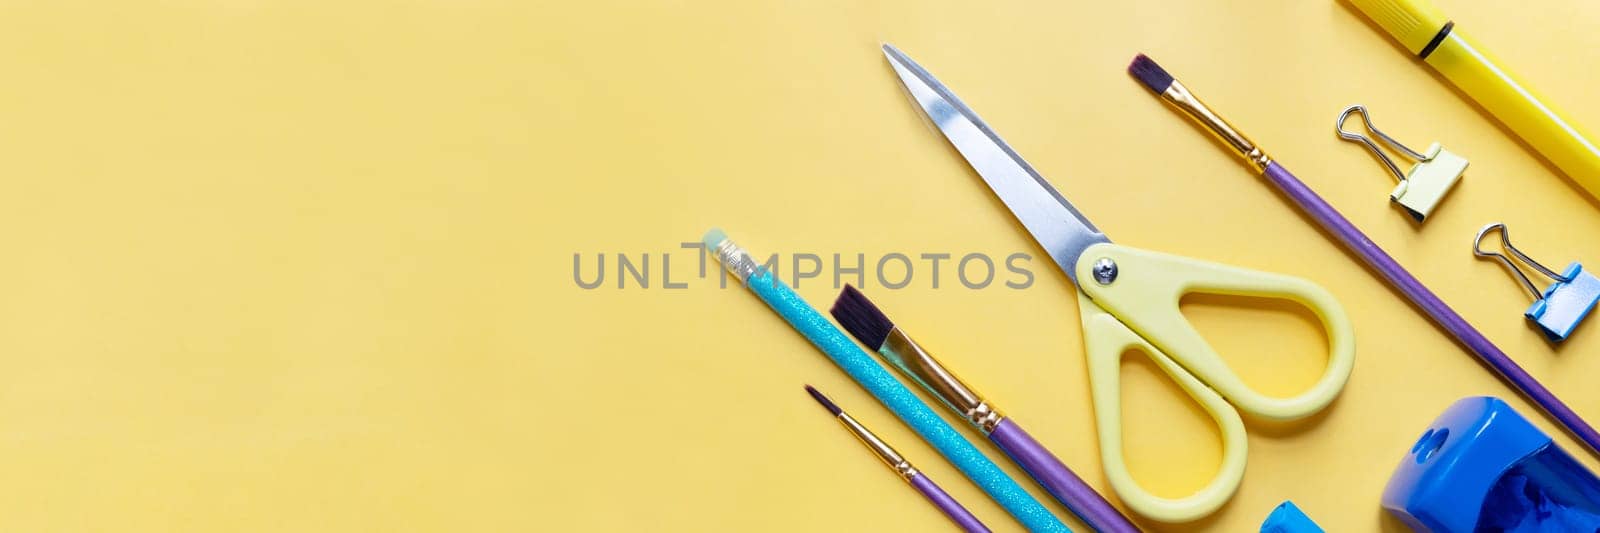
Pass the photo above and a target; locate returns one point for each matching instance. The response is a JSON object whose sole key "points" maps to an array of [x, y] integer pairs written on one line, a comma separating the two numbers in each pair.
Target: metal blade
{"points": [[1055, 224]]}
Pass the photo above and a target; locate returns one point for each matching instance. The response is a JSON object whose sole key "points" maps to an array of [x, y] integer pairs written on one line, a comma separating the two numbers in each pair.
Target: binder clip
{"points": [[1561, 306], [1420, 189]]}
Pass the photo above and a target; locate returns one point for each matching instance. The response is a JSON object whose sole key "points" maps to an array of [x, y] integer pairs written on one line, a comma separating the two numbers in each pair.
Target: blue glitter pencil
{"points": [[871, 376]]}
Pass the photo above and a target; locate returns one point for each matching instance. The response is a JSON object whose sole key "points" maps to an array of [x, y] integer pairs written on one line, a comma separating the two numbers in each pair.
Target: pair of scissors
{"points": [[1128, 300]]}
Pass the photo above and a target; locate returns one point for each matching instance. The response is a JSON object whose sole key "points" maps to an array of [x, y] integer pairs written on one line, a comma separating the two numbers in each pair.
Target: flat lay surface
{"points": [[308, 266]]}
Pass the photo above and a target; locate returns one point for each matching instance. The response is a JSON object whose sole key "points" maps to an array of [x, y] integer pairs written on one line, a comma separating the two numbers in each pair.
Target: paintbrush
{"points": [[1158, 80], [946, 504], [873, 328], [872, 377]]}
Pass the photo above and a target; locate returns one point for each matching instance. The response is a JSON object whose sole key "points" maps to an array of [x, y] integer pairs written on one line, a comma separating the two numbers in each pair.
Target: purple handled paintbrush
{"points": [[946, 504], [1169, 89], [873, 328]]}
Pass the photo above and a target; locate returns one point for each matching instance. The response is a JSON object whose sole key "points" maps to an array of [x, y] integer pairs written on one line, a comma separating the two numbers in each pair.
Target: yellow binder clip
{"points": [[1420, 190]]}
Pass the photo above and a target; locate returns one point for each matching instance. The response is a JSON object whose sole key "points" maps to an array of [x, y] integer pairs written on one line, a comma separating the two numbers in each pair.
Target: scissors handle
{"points": [[1144, 295], [1105, 339]]}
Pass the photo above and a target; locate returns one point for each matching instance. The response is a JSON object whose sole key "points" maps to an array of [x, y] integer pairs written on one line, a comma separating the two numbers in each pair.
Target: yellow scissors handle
{"points": [[1143, 292], [1105, 339], [1129, 300]]}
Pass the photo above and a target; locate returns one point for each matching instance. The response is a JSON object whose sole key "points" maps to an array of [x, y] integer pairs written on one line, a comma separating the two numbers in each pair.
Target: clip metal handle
{"points": [[1505, 242], [1338, 127]]}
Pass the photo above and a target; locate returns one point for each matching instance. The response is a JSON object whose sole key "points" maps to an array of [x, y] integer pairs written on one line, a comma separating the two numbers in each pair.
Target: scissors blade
{"points": [[1055, 224]]}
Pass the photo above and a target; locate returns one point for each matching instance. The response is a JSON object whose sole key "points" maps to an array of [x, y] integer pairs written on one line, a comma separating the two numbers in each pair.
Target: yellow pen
{"points": [[1424, 30]]}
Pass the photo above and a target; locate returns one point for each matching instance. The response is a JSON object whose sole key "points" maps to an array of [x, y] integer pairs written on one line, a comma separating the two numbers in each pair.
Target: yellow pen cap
{"points": [[1415, 23]]}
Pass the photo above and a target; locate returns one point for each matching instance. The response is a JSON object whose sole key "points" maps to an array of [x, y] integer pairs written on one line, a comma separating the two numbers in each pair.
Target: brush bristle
{"points": [[824, 400], [1150, 74], [862, 319]]}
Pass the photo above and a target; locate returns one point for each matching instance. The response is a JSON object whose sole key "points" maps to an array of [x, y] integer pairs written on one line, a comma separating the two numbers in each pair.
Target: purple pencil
{"points": [[869, 325], [946, 504], [1169, 89]]}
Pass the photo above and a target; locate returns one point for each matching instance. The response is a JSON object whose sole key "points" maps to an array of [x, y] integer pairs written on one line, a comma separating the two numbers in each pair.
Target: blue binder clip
{"points": [[1564, 303]]}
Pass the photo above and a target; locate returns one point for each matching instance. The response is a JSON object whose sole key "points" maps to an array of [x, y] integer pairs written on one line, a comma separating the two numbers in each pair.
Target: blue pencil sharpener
{"points": [[1565, 303], [1481, 467]]}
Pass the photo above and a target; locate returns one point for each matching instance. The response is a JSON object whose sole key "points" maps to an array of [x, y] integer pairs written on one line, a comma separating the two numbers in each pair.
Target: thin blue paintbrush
{"points": [[871, 376]]}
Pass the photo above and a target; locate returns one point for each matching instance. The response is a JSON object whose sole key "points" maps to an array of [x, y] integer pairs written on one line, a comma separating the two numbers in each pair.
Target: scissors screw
{"points": [[1105, 270]]}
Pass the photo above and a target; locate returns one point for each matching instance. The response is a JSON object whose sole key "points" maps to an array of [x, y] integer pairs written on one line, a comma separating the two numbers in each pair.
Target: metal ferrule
{"points": [[735, 260], [913, 361], [890, 457], [1181, 97]]}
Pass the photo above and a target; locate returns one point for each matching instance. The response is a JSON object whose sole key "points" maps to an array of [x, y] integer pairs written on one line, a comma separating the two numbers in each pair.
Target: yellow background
{"points": [[285, 266]]}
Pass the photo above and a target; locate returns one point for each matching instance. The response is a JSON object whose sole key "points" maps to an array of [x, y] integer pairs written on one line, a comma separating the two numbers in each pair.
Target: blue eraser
{"points": [[713, 237], [1287, 518], [1565, 303]]}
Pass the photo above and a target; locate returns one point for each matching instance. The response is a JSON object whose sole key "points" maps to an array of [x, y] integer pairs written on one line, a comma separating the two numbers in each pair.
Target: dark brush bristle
{"points": [[1150, 74], [824, 401], [862, 319]]}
